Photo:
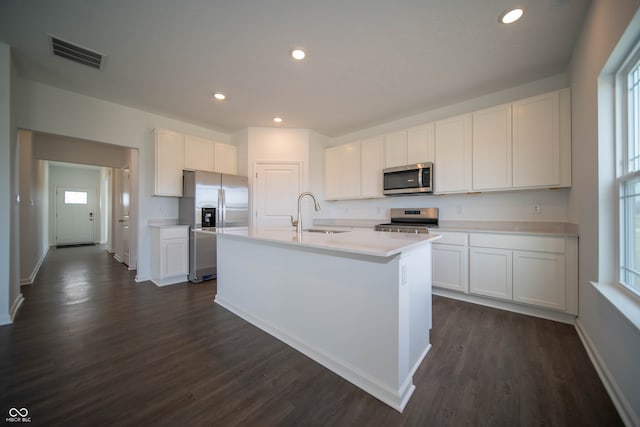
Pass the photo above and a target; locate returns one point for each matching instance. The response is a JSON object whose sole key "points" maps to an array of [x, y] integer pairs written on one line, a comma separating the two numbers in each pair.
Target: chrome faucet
{"points": [[298, 222]]}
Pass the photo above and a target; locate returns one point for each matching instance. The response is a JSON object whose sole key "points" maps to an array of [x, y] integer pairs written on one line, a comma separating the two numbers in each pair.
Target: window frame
{"points": [[623, 176]]}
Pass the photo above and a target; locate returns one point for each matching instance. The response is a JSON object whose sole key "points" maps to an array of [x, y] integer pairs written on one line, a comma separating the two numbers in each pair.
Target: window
{"points": [[628, 172], [75, 197]]}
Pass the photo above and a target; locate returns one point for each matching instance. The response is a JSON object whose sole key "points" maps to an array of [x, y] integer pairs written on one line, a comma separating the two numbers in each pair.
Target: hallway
{"points": [[92, 347]]}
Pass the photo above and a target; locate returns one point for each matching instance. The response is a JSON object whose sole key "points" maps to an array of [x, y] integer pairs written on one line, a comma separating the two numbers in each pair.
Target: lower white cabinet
{"points": [[539, 279], [450, 262], [169, 254], [491, 272], [539, 271]]}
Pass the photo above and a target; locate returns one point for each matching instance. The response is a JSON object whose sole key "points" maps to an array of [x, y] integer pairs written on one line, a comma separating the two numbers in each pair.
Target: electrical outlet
{"points": [[537, 208]]}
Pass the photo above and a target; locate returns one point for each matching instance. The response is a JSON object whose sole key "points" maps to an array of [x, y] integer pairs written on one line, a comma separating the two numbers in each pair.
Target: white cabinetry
{"points": [[491, 272], [342, 172], [371, 165], [453, 154], [225, 158], [198, 153], [395, 145], [332, 173], [175, 151], [169, 161], [524, 144], [539, 279], [450, 262], [169, 254], [542, 141], [534, 270], [411, 146], [420, 144], [492, 168]]}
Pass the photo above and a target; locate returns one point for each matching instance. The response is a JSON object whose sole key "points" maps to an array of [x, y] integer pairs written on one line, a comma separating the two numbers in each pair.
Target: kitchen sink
{"points": [[322, 230]]}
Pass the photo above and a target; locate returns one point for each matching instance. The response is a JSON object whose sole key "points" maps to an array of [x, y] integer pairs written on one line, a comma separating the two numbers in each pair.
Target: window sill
{"points": [[628, 305]]}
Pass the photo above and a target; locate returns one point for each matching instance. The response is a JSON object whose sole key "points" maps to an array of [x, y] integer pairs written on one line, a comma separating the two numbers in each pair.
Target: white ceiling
{"points": [[369, 61]]}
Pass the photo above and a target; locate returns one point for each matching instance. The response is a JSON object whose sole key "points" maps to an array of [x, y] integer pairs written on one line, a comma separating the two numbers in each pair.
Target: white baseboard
{"points": [[508, 306], [397, 399], [139, 279], [628, 414], [32, 277], [16, 306]]}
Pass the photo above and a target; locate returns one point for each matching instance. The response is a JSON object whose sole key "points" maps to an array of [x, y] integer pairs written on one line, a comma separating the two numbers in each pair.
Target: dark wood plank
{"points": [[92, 347]]}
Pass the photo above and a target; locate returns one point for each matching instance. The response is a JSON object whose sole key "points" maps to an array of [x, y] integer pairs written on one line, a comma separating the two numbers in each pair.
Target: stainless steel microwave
{"points": [[411, 179]]}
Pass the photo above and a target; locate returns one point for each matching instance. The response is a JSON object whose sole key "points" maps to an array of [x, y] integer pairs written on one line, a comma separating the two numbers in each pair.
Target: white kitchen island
{"points": [[357, 302]]}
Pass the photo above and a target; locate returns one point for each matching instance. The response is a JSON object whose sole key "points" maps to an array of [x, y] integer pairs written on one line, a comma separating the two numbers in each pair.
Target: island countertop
{"points": [[363, 242]]}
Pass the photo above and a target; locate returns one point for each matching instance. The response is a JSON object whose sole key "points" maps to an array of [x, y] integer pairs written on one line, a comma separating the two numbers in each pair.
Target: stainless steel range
{"points": [[411, 220]]}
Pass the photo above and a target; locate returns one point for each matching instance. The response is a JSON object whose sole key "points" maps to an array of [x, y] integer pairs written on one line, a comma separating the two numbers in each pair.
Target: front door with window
{"points": [[75, 216]]}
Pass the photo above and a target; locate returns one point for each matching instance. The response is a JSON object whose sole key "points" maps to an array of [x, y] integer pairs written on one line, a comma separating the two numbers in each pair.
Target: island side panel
{"points": [[417, 263], [341, 310]]}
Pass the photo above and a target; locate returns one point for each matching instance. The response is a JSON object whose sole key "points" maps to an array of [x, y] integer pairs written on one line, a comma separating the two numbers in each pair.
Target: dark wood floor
{"points": [[92, 347]]}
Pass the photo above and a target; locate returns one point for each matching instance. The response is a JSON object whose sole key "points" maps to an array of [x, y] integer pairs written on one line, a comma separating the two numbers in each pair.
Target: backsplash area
{"points": [[530, 205]]}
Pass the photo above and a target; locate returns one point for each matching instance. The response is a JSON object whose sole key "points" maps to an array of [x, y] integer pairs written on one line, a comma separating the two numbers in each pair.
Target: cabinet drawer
{"points": [[174, 233], [518, 242], [451, 238]]}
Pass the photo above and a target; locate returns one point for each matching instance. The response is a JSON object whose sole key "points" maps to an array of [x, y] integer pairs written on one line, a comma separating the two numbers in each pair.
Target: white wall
{"points": [[47, 109], [34, 209], [9, 288], [613, 340], [278, 145]]}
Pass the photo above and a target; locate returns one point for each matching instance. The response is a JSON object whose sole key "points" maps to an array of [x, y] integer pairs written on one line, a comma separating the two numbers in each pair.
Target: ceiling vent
{"points": [[76, 53]]}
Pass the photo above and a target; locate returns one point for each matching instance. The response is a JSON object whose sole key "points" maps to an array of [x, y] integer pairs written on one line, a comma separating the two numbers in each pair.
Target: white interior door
{"points": [[75, 216], [276, 189], [123, 221]]}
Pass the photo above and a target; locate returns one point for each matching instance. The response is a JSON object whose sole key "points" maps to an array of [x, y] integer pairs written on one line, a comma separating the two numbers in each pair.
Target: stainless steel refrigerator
{"points": [[209, 201]]}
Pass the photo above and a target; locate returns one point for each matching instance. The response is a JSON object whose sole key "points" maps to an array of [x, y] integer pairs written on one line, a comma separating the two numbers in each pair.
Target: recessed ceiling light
{"points": [[277, 119], [510, 16], [298, 54], [219, 96]]}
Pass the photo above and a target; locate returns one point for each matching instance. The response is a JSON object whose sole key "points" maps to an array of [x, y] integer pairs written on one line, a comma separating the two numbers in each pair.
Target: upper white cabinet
{"points": [[225, 158], [491, 153], [169, 161], [453, 154], [411, 146], [342, 172], [333, 173], [395, 145], [198, 153], [523, 144], [542, 141], [175, 152], [371, 166], [420, 144], [351, 170]]}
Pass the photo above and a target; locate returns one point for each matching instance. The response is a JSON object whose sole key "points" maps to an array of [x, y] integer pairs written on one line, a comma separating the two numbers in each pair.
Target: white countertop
{"points": [[167, 226], [363, 242], [559, 229]]}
